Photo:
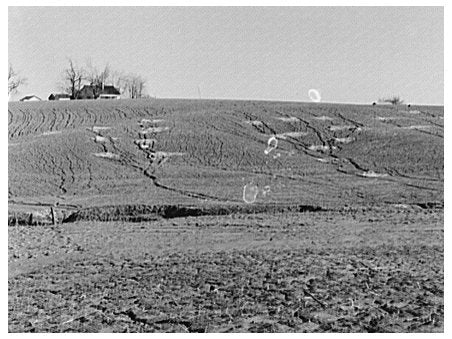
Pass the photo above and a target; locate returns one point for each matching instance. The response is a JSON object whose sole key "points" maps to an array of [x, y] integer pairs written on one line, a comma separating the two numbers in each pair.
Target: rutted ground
{"points": [[355, 271], [185, 152], [187, 254]]}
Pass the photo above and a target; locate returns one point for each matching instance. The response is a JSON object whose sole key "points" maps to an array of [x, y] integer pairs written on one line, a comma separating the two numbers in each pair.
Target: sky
{"points": [[348, 54]]}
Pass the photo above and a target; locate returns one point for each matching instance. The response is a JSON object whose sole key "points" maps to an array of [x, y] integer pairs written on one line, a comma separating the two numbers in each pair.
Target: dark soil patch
{"points": [[367, 290]]}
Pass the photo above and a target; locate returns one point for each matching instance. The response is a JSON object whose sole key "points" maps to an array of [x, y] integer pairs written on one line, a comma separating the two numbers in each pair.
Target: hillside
{"points": [[225, 216], [91, 154]]}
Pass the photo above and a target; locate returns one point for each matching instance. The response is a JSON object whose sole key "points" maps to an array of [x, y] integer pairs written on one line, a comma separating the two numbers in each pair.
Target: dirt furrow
{"points": [[25, 123], [10, 118], [351, 121], [63, 178], [41, 123], [395, 173], [69, 158], [316, 131], [53, 120], [186, 193], [429, 133]]}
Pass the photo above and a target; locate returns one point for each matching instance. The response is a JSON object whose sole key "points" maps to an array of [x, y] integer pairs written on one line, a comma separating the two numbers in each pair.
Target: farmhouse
{"points": [[98, 92], [31, 98], [59, 96]]}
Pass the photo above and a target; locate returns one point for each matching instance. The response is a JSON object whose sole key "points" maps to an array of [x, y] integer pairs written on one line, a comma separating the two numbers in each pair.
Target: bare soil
{"points": [[155, 237], [370, 271]]}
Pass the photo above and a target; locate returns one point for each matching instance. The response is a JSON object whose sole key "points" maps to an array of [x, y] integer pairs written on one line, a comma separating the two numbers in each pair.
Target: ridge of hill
{"points": [[80, 155]]}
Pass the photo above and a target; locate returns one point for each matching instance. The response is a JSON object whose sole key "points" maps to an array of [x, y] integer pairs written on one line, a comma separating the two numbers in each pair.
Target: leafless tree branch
{"points": [[14, 80]]}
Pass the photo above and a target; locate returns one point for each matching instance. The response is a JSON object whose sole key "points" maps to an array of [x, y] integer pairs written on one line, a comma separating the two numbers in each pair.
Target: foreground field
{"points": [[130, 216], [373, 271]]}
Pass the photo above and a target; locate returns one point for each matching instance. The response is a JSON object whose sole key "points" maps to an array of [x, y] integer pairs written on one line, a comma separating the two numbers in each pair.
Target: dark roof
{"points": [[86, 92], [57, 96], [92, 91], [109, 90], [28, 97]]}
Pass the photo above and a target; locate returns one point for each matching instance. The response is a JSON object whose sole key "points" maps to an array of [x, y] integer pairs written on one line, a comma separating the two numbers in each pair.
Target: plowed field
{"points": [[130, 215]]}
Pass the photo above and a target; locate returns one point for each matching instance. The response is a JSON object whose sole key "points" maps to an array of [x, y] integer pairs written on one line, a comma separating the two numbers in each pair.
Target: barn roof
{"points": [[56, 96], [108, 89], [28, 97]]}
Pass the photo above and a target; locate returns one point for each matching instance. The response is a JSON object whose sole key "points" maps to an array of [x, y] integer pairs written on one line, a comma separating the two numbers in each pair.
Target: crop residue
{"points": [[372, 174], [344, 140], [97, 129], [154, 130], [107, 155], [341, 128], [323, 118], [291, 135], [289, 119]]}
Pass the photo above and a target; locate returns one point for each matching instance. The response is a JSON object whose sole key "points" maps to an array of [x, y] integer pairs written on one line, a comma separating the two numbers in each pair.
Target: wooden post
{"points": [[52, 214]]}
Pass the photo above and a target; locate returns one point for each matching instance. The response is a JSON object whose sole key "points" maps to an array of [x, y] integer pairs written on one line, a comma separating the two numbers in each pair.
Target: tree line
{"points": [[74, 77]]}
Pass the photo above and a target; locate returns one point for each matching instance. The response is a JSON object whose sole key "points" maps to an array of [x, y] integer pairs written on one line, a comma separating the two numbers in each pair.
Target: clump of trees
{"points": [[394, 100], [133, 86], [14, 80], [74, 77]]}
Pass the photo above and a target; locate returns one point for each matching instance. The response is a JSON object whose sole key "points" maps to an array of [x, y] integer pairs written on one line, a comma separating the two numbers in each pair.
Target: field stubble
{"points": [[311, 272]]}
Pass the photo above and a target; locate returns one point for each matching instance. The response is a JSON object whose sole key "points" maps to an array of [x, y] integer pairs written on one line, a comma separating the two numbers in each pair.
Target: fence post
{"points": [[52, 214]]}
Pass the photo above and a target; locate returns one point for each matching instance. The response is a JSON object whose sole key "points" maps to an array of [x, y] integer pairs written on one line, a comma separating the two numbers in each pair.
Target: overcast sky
{"points": [[349, 54]]}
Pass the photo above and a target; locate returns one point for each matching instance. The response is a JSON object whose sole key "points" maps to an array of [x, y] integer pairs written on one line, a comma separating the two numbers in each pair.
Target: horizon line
{"points": [[254, 99]]}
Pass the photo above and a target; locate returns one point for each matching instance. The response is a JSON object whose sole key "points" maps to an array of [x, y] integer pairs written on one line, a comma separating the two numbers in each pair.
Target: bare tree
{"points": [[121, 83], [116, 78], [133, 86], [138, 86], [394, 100], [104, 75], [95, 77], [72, 79], [91, 73], [14, 80], [129, 85]]}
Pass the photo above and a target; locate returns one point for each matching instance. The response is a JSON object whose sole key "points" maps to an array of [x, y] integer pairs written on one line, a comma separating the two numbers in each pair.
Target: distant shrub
{"points": [[394, 100]]}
